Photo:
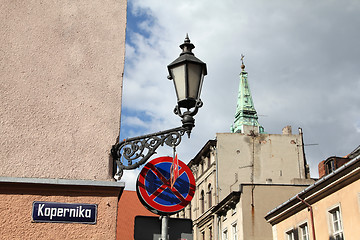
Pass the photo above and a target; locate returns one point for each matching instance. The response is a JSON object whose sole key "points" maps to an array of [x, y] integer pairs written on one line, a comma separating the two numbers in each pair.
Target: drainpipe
{"points": [[217, 176], [218, 218], [311, 215]]}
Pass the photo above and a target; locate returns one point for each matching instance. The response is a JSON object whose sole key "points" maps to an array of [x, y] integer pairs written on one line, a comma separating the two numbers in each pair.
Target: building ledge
{"points": [[62, 182], [55, 186]]}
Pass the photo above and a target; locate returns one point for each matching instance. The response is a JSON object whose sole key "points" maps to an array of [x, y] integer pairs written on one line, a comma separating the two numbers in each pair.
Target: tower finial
{"points": [[246, 118], [242, 62]]}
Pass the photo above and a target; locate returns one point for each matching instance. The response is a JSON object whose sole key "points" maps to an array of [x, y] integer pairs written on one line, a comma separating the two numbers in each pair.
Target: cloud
{"points": [[301, 56], [357, 126], [130, 178]]}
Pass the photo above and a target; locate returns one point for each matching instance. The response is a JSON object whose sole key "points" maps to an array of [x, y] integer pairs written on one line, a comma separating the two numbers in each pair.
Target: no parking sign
{"points": [[154, 188]]}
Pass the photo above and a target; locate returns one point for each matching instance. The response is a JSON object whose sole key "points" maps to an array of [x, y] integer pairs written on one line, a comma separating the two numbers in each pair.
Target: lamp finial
{"points": [[187, 46]]}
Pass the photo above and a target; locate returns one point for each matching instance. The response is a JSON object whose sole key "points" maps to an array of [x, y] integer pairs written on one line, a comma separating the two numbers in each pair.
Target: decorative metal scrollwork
{"points": [[137, 150]]}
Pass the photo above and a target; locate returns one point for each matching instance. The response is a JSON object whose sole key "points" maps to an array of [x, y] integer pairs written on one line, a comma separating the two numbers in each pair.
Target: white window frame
{"points": [[302, 227], [290, 234], [210, 228], [234, 231], [337, 234], [203, 234], [225, 234]]}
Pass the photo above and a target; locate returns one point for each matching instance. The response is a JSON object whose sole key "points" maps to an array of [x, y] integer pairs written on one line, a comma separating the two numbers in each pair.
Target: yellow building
{"points": [[328, 209]]}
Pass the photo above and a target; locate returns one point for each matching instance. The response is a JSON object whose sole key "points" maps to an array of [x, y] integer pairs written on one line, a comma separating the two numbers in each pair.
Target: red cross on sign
{"points": [[156, 190]]}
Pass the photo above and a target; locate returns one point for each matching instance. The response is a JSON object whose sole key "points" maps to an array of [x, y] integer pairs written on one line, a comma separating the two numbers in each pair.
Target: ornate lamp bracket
{"points": [[133, 152], [188, 120]]}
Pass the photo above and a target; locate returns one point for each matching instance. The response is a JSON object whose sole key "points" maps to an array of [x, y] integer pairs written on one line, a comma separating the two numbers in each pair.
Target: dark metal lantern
{"points": [[188, 73]]}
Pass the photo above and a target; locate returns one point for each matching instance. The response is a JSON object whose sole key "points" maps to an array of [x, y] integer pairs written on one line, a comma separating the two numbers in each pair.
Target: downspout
{"points": [[311, 215], [252, 170], [217, 176], [218, 217], [219, 230]]}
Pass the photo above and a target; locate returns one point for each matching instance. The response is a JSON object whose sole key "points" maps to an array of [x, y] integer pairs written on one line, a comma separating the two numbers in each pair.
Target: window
{"points": [[290, 235], [336, 224], [304, 232], [210, 233], [225, 234], [330, 166], [202, 203], [203, 235], [234, 231], [209, 195]]}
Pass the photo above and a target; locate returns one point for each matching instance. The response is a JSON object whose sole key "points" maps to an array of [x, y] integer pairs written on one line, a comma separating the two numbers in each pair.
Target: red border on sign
{"points": [[149, 199]]}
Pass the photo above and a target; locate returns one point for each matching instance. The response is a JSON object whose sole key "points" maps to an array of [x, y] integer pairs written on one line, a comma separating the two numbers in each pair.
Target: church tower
{"points": [[246, 118], [237, 170]]}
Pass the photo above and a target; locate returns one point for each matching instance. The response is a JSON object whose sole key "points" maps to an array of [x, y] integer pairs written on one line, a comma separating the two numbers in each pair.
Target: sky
{"points": [[302, 59]]}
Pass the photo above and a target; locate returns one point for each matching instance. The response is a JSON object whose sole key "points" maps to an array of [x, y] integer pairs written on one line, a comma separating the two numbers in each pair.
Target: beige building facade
{"points": [[242, 175], [328, 209], [61, 74], [234, 192], [259, 158]]}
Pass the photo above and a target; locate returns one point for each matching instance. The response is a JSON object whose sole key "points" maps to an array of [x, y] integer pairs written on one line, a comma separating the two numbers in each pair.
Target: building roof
{"points": [[354, 153], [129, 207], [325, 186]]}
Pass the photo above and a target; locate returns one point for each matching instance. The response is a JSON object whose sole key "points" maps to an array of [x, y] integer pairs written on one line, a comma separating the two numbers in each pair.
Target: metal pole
{"points": [[164, 227]]}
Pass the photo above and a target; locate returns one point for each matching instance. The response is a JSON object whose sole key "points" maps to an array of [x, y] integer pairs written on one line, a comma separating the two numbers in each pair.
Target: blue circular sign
{"points": [[157, 193]]}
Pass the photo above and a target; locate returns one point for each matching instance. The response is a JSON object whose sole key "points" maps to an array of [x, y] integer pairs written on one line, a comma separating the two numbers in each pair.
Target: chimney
{"points": [[287, 130], [321, 168]]}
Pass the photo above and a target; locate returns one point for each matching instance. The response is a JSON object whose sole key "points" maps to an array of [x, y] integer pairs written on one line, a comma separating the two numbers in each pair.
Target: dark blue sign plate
{"points": [[64, 212]]}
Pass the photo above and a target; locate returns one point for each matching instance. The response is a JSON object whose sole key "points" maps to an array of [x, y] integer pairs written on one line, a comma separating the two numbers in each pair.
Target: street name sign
{"points": [[64, 212], [155, 190]]}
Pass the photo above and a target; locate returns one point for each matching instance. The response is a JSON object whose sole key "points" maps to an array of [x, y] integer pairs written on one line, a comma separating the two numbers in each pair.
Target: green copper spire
{"points": [[246, 118]]}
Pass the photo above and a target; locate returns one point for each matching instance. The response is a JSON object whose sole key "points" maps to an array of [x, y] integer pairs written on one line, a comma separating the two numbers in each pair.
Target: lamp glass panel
{"points": [[178, 75], [194, 78]]}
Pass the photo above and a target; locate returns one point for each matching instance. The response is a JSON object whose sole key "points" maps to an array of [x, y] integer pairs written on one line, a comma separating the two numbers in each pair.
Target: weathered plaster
{"points": [[61, 67]]}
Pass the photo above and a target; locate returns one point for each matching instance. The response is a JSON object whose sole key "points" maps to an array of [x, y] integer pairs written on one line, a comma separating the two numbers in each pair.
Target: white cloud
{"points": [[302, 60], [134, 122], [130, 178], [357, 126]]}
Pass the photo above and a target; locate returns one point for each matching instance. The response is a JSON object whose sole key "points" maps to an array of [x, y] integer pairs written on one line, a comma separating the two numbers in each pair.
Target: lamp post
{"points": [[187, 73]]}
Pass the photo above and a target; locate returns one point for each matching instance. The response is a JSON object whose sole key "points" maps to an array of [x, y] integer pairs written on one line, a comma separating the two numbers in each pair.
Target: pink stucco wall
{"points": [[61, 67]]}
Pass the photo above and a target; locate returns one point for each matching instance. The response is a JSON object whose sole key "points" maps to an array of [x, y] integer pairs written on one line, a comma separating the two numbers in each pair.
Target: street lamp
{"points": [[187, 73]]}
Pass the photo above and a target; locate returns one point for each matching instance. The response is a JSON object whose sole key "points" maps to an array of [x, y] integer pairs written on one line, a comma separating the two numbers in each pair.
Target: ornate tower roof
{"points": [[246, 118]]}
